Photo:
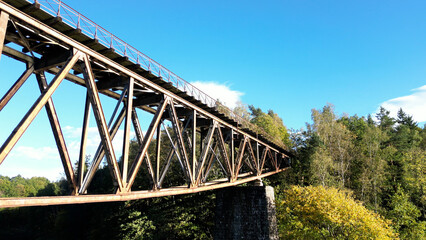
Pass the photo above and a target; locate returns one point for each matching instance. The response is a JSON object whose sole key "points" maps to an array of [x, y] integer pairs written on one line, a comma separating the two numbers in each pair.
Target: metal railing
{"points": [[74, 19]]}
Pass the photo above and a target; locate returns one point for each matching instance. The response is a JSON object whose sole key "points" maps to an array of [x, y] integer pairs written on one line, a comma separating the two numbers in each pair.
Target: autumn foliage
{"points": [[327, 213]]}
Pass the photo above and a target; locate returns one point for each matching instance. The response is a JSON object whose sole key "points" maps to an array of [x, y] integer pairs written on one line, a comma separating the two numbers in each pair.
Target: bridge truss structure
{"points": [[53, 39]]}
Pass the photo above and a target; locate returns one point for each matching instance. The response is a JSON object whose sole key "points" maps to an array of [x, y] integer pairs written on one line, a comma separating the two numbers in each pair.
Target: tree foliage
{"points": [[382, 162], [327, 213]]}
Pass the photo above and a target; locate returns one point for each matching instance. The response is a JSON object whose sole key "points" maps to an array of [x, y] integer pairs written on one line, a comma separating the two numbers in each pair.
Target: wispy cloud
{"points": [[220, 91], [413, 104]]}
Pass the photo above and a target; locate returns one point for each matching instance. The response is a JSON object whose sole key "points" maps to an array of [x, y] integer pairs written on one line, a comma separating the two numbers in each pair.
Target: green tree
{"points": [[404, 215], [271, 123], [337, 142]]}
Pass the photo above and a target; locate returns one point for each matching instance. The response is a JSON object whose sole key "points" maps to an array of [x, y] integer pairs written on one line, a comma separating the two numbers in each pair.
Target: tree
{"points": [[385, 120], [404, 215], [337, 142], [242, 110], [271, 123], [327, 213]]}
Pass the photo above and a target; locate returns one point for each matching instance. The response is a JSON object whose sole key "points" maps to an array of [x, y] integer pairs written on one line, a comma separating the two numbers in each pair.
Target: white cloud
{"points": [[414, 104], [220, 91]]}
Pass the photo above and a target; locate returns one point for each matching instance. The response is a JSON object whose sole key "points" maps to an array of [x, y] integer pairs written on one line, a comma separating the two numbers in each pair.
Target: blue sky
{"points": [[288, 56]]}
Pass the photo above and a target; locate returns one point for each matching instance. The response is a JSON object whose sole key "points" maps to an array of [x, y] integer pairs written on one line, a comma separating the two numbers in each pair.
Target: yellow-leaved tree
{"points": [[327, 213]]}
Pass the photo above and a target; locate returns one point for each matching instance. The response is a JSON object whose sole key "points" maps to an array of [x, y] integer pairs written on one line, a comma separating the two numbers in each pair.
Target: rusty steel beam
{"points": [[240, 156], [147, 140], [37, 106], [100, 153], [180, 142], [4, 19], [57, 133], [126, 139], [6, 98], [101, 122], [204, 152], [80, 199], [162, 100], [83, 141], [109, 62], [140, 137]]}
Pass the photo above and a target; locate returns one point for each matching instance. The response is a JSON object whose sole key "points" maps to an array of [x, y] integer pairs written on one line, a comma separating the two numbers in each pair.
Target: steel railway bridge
{"points": [[54, 40]]}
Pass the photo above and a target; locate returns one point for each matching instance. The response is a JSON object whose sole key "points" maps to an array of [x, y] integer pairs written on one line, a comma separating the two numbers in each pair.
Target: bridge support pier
{"points": [[245, 213]]}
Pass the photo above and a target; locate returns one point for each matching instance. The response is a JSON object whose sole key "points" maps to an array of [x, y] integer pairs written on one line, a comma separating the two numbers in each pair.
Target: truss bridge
{"points": [[185, 128]]}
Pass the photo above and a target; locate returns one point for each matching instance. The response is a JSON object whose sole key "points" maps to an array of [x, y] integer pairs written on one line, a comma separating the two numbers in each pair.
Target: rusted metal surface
{"points": [[61, 200], [4, 19], [201, 138]]}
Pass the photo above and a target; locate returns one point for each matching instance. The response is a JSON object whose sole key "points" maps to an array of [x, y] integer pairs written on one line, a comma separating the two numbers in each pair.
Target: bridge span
{"points": [[52, 39]]}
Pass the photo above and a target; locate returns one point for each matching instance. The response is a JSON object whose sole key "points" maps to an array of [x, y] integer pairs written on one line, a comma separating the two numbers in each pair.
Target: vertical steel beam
{"points": [[194, 142], [5, 99], [4, 19], [147, 140], [36, 107], [126, 138], [232, 152], [101, 122], [257, 157], [83, 141], [57, 133]]}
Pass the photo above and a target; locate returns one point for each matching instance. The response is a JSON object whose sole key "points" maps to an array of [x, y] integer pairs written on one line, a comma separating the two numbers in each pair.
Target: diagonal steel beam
{"points": [[172, 152], [241, 149], [204, 152], [101, 122], [252, 157], [265, 151], [147, 140], [223, 152], [36, 107], [57, 133], [177, 152], [179, 137], [271, 158], [213, 157], [100, 153], [139, 137], [6, 98]]}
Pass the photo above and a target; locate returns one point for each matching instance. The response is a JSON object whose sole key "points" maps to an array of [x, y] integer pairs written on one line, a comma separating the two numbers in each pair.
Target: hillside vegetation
{"points": [[351, 178]]}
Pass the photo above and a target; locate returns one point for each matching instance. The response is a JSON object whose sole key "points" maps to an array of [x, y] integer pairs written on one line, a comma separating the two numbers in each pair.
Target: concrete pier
{"points": [[245, 213]]}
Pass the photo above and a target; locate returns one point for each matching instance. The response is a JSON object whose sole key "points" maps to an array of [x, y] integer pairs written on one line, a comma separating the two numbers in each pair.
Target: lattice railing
{"points": [[78, 21]]}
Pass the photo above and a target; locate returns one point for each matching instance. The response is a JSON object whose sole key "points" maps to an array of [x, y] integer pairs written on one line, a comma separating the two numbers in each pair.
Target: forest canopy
{"points": [[341, 166]]}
